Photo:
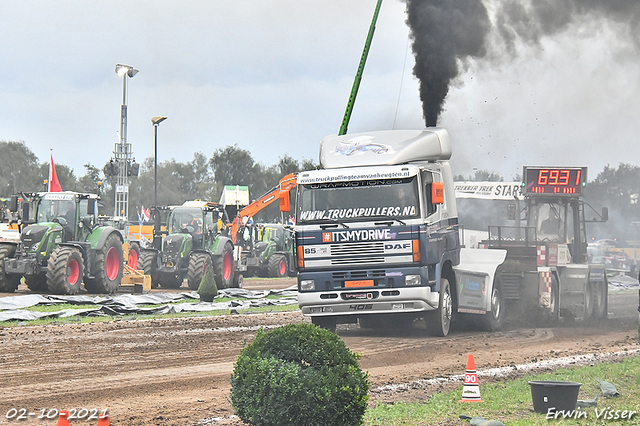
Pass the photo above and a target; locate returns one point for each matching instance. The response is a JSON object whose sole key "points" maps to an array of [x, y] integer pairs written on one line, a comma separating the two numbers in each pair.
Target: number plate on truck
{"points": [[360, 283]]}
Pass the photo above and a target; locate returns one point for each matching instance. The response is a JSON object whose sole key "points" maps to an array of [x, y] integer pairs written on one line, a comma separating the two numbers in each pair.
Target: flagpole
{"points": [[50, 174]]}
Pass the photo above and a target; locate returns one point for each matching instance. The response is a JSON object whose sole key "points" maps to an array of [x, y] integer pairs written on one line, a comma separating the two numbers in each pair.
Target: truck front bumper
{"points": [[368, 301]]}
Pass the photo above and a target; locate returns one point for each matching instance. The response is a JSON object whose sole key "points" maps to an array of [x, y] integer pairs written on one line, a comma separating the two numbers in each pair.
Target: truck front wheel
{"points": [[328, 323], [440, 320], [65, 270]]}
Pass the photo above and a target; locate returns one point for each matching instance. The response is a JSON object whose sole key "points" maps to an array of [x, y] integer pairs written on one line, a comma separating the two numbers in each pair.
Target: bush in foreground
{"points": [[298, 374]]}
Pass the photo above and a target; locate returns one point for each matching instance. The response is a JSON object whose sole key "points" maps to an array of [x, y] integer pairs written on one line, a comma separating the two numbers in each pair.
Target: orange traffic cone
{"points": [[63, 419], [103, 420], [471, 388]]}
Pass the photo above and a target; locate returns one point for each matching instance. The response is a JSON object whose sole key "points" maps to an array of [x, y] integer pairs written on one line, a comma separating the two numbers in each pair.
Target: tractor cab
{"points": [[75, 213]]}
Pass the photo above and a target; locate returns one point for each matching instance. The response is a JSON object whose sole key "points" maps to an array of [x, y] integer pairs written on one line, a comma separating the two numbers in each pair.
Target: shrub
{"points": [[207, 290], [296, 375]]}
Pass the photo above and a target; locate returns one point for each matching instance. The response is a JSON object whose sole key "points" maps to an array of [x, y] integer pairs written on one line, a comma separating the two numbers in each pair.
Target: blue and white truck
{"points": [[377, 235]]}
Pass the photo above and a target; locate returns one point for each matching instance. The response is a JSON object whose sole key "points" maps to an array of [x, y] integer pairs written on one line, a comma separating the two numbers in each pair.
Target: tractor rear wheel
{"points": [[8, 283], [65, 270], [278, 266], [36, 282], [223, 267], [198, 266], [108, 268]]}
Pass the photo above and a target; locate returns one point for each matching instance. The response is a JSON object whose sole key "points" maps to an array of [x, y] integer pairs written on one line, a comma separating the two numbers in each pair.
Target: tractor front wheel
{"points": [[65, 270], [148, 262], [278, 266], [133, 259], [8, 283], [223, 267], [198, 266], [108, 268], [36, 282]]}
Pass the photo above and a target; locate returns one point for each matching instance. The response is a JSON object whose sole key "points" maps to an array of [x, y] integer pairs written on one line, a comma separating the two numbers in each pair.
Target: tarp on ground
{"points": [[12, 307]]}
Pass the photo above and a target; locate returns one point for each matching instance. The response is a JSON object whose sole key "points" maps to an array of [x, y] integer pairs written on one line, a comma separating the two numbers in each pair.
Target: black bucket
{"points": [[551, 396]]}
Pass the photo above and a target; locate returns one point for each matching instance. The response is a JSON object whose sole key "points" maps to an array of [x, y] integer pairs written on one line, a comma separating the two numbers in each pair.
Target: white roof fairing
{"points": [[386, 147]]}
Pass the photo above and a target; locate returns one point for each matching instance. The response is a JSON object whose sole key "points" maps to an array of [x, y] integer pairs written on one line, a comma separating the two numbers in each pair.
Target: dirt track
{"points": [[176, 372]]}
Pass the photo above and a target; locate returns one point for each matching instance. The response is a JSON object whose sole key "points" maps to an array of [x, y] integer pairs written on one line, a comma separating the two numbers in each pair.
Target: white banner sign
{"points": [[489, 190]]}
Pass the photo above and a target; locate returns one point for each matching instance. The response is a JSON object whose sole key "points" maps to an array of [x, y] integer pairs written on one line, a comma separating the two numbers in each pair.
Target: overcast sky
{"points": [[274, 77]]}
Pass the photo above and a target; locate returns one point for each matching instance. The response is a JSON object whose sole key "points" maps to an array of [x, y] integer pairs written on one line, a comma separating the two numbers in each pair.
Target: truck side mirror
{"points": [[437, 192], [511, 212], [605, 214], [13, 204]]}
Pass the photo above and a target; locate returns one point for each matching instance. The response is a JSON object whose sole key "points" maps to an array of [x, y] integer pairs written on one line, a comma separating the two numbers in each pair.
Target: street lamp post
{"points": [[156, 122], [122, 151]]}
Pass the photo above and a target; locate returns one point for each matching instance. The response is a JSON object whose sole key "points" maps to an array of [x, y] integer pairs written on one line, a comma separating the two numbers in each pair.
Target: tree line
{"points": [[202, 178]]}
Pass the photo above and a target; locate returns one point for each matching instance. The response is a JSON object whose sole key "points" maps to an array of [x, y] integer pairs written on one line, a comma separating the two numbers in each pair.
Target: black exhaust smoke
{"points": [[447, 34]]}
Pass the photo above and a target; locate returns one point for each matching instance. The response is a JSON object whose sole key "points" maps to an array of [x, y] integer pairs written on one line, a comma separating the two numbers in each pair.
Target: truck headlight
{"points": [[412, 280], [307, 285]]}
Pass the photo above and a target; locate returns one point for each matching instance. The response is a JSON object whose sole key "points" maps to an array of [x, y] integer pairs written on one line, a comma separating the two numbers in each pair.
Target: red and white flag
{"points": [[146, 214], [54, 184]]}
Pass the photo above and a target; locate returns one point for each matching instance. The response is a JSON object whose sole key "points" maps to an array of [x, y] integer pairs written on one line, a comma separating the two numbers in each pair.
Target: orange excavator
{"points": [[278, 192]]}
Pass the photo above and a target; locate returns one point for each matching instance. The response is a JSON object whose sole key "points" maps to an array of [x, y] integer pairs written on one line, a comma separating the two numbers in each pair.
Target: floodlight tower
{"points": [[122, 152]]}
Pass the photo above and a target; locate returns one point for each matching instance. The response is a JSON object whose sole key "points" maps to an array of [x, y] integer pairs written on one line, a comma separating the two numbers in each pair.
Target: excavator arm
{"points": [[284, 186]]}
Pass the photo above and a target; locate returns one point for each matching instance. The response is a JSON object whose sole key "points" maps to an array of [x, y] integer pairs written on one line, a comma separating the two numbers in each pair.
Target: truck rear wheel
{"points": [[440, 319], [36, 282], [493, 320], [8, 283], [65, 270], [278, 266], [599, 299], [199, 263], [108, 268], [223, 267]]}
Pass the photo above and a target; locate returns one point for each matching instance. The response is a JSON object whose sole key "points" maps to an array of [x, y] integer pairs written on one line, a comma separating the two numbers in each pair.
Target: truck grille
{"points": [[350, 249], [361, 253]]}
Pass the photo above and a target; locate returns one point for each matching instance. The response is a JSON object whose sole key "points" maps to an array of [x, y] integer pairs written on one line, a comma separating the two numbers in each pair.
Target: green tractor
{"points": [[272, 251], [63, 248], [192, 243]]}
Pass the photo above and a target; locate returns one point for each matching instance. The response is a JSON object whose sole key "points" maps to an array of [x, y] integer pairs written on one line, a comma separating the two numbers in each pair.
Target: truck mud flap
{"points": [[474, 278]]}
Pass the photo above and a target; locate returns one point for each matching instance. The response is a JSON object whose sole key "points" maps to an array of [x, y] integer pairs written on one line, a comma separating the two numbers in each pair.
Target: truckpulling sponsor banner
{"points": [[358, 212], [488, 190], [324, 176]]}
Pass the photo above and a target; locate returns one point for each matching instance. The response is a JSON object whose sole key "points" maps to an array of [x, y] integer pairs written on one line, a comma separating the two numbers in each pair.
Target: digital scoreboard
{"points": [[554, 180]]}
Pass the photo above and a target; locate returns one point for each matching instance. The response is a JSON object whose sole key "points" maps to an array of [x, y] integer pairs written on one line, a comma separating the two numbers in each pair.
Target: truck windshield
{"points": [[359, 200]]}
